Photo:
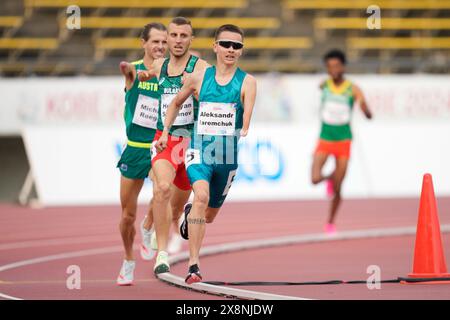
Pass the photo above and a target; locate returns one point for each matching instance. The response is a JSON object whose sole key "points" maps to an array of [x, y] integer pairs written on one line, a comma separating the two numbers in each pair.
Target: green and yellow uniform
{"points": [[336, 111], [141, 117]]}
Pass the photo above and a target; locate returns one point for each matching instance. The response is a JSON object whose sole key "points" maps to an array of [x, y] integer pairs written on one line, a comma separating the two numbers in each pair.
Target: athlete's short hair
{"points": [[230, 28], [145, 34], [335, 54], [181, 21]]}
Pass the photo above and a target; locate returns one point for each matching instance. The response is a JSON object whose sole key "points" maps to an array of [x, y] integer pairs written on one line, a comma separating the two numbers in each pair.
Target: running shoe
{"points": [[184, 225], [330, 229], [162, 263], [126, 274], [154, 242], [146, 249], [193, 275]]}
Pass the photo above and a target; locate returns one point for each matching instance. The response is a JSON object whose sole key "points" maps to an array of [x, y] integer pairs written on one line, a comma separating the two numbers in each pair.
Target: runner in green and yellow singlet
{"points": [[338, 98], [141, 115]]}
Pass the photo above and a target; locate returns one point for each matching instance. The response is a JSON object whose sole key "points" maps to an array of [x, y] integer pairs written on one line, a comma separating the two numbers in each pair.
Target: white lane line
{"points": [[5, 296], [55, 242], [75, 254], [226, 291], [61, 256]]}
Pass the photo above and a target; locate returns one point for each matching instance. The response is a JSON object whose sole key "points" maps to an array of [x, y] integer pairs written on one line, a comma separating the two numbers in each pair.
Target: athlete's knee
{"points": [[209, 219], [201, 197], [315, 179], [162, 191], [128, 217]]}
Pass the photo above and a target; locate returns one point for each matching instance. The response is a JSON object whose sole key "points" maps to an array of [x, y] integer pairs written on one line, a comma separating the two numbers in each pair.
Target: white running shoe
{"points": [[175, 243], [126, 274], [147, 253], [153, 242], [162, 263]]}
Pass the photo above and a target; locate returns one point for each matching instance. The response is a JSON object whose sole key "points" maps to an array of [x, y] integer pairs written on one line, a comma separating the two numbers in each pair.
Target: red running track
{"points": [[28, 234]]}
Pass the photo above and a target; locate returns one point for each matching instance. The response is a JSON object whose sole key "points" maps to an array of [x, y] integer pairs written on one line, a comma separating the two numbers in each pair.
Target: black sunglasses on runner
{"points": [[228, 43]]}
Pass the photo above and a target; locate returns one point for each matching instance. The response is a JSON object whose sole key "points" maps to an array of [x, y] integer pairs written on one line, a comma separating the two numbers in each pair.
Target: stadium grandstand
{"points": [[281, 36]]}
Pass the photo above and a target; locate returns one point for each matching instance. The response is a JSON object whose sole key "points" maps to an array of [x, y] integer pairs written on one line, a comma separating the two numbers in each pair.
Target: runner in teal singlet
{"points": [[226, 97], [141, 115]]}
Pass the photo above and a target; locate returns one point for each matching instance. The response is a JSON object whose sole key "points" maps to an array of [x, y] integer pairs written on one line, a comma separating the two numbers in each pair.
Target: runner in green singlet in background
{"points": [[338, 98]]}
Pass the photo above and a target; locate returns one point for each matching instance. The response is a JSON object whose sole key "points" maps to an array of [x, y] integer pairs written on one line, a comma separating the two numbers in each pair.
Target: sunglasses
{"points": [[228, 43]]}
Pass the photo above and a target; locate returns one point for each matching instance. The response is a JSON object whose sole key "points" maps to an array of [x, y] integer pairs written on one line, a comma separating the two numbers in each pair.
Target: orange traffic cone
{"points": [[429, 260]]}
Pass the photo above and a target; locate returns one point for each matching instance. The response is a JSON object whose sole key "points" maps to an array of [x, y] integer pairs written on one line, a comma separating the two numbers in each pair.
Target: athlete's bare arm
{"points": [[129, 72], [361, 100], [248, 98], [152, 72]]}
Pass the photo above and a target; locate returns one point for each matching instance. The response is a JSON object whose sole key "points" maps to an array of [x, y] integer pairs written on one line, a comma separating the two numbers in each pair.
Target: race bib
{"points": [[216, 118], [146, 112], [186, 113], [336, 113]]}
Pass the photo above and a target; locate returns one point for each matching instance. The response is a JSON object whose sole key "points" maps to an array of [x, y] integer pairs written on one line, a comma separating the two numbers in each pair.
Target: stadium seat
{"points": [[198, 23], [386, 23], [399, 43], [363, 4], [206, 43], [28, 43], [138, 3], [285, 35], [11, 21]]}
